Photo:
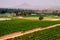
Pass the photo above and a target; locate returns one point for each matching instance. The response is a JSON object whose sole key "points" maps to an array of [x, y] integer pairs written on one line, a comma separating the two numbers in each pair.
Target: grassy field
{"points": [[5, 16], [10, 26], [48, 34], [46, 18]]}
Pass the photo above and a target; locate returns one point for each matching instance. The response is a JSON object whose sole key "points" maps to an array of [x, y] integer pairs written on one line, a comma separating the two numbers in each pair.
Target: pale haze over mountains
{"points": [[30, 4]]}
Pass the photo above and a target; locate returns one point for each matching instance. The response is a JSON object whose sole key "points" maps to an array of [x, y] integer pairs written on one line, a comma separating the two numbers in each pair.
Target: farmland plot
{"points": [[10, 26], [48, 34]]}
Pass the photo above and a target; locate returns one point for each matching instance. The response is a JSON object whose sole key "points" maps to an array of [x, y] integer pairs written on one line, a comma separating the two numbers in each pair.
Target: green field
{"points": [[48, 34], [10, 26], [48, 18], [4, 16]]}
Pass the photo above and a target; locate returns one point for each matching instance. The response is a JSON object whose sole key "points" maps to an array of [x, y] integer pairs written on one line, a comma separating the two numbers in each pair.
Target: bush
{"points": [[41, 18]]}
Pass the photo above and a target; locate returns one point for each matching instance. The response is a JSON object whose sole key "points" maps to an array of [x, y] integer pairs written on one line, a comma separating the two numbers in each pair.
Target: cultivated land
{"points": [[16, 34], [17, 24], [47, 34], [10, 26]]}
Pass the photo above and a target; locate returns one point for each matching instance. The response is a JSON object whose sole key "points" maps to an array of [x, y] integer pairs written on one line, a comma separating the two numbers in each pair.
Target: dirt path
{"points": [[16, 34], [58, 39], [1, 19]]}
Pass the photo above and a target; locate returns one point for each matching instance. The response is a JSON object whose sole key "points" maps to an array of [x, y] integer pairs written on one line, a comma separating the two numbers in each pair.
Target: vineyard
{"points": [[48, 34], [10, 26]]}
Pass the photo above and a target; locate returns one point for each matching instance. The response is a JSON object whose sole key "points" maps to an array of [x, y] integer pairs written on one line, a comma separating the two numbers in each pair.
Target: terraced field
{"points": [[48, 34]]}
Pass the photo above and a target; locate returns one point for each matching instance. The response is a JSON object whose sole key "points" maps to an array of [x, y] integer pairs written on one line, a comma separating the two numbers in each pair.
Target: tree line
{"points": [[26, 12]]}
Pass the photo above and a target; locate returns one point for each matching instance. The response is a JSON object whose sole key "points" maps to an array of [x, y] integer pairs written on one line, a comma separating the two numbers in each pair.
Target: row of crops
{"points": [[48, 34], [16, 25]]}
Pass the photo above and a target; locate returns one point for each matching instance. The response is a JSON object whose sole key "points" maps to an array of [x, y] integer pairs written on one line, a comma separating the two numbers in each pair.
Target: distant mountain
{"points": [[24, 6], [28, 6]]}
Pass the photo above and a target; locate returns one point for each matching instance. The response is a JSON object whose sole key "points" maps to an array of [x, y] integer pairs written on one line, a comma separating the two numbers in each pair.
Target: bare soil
{"points": [[5, 19]]}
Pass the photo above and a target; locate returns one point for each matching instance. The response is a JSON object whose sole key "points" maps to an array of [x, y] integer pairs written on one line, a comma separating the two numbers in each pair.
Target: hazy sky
{"points": [[12, 3]]}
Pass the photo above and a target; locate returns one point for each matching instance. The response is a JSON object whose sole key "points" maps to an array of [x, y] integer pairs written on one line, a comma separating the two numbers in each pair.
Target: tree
{"points": [[17, 13], [41, 18], [3, 12]]}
